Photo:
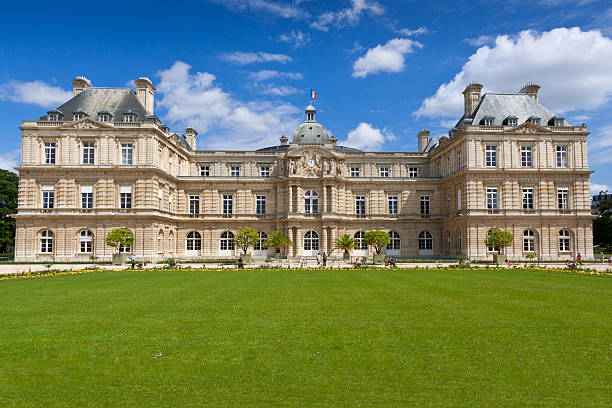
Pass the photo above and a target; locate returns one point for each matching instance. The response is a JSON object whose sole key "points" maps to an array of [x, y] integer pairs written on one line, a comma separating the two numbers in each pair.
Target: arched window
{"points": [[261, 244], [194, 241], [394, 244], [528, 241], [311, 241], [425, 241], [46, 241], [311, 202], [85, 241], [564, 241], [227, 241], [359, 243]]}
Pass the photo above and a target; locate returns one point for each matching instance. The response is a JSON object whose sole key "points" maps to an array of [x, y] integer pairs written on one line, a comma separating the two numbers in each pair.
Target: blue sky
{"points": [[240, 71]]}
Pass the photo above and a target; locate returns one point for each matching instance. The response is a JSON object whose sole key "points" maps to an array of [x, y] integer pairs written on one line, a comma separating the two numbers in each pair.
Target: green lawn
{"points": [[402, 338]]}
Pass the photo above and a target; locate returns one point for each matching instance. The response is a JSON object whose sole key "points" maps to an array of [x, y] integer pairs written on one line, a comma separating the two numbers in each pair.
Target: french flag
{"points": [[313, 94]]}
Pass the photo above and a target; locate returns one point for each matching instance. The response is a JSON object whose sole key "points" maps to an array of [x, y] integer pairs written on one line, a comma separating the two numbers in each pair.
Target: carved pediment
{"points": [[313, 163], [527, 127], [86, 123]]}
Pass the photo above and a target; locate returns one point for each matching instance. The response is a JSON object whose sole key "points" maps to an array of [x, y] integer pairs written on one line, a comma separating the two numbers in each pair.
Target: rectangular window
{"points": [[204, 171], [384, 172], [235, 171], [126, 153], [354, 171], [448, 202], [488, 121], [491, 156], [53, 117], [260, 204], [562, 198], [558, 121], [160, 197], [492, 198], [125, 197], [194, 204], [77, 116], [561, 156], [392, 203], [424, 205], [413, 172], [512, 121], [87, 197], [459, 199], [88, 152], [535, 121], [264, 171], [528, 198], [104, 117], [170, 202], [227, 203], [48, 196], [159, 158], [360, 205], [170, 166], [49, 152], [526, 156], [458, 160], [129, 117]]}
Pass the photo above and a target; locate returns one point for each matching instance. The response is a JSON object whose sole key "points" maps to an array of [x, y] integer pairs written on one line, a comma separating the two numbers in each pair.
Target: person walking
{"points": [[324, 259], [133, 260], [601, 255], [579, 256], [318, 259]]}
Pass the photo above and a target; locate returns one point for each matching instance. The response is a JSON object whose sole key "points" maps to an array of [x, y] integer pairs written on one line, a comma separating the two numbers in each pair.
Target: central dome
{"points": [[310, 131]]}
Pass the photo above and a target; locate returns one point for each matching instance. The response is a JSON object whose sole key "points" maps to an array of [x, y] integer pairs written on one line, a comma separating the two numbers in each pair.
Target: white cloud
{"points": [[34, 92], [596, 188], [9, 160], [408, 33], [245, 58], [282, 90], [266, 74], [574, 68], [349, 15], [387, 58], [297, 38], [600, 145], [480, 40], [223, 122], [264, 6], [366, 137]]}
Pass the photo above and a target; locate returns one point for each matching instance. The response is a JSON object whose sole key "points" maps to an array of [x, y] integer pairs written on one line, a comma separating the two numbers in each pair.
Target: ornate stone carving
{"points": [[310, 164], [87, 124]]}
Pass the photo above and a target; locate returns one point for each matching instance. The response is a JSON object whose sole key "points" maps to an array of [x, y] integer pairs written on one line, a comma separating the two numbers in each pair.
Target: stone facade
{"points": [[87, 168]]}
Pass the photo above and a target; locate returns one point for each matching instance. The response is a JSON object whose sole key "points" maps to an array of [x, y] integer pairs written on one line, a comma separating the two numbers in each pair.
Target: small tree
{"points": [[246, 238], [377, 239], [499, 240], [119, 237], [277, 240], [346, 243]]}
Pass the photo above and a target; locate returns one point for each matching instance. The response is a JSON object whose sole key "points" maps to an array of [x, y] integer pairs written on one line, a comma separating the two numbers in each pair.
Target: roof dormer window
{"points": [[129, 117], [53, 117], [556, 121], [510, 121], [78, 115], [104, 117], [534, 120], [487, 121]]}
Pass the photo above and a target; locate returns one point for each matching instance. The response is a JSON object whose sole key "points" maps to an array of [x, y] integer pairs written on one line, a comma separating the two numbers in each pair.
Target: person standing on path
{"points": [[324, 259], [318, 259]]}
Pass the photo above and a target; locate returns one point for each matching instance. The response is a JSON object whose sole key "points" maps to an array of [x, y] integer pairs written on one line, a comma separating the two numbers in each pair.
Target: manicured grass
{"points": [[486, 338]]}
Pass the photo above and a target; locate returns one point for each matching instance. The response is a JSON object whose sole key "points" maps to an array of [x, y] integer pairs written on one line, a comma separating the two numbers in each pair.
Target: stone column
{"points": [[334, 192], [299, 201], [323, 208], [290, 252], [290, 198], [324, 247]]}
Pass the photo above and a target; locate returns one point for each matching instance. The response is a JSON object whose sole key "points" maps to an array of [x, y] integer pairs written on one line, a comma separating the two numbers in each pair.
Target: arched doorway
{"points": [[311, 243]]}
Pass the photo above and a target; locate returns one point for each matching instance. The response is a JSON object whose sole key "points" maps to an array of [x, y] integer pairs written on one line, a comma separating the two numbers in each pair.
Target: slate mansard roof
{"points": [[501, 106], [114, 101]]}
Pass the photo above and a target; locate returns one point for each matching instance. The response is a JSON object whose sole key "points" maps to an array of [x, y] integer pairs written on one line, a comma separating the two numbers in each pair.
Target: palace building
{"points": [[103, 160]]}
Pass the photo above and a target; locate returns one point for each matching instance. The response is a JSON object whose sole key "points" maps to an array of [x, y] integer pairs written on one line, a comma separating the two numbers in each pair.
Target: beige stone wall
{"points": [[162, 165]]}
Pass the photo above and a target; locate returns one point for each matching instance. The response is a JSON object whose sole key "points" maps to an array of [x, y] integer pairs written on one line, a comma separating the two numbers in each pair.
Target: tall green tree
{"points": [[120, 237], [378, 239], [499, 240], [246, 238], [9, 183], [602, 225], [346, 243], [278, 240]]}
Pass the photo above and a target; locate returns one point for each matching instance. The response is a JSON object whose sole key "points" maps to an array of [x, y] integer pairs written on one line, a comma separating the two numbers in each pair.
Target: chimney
{"points": [[79, 84], [190, 135], [146, 93], [531, 90], [283, 140], [423, 137], [471, 98], [333, 140]]}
